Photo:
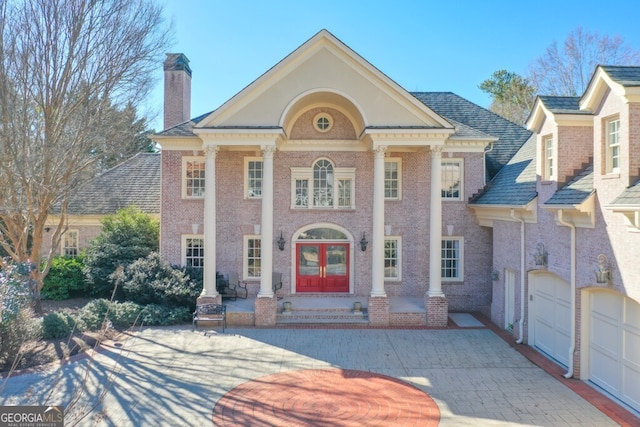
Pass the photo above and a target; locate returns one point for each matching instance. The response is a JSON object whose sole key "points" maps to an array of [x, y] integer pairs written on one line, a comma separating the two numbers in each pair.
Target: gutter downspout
{"points": [[484, 162], [522, 275], [572, 348]]}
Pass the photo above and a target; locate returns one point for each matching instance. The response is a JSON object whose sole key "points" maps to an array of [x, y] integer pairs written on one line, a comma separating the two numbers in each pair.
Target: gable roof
{"points": [[265, 102], [134, 182], [622, 80], [562, 104], [628, 76], [515, 183], [453, 107]]}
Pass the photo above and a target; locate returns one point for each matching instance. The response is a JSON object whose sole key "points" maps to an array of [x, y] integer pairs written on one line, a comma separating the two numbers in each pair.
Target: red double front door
{"points": [[322, 267]]}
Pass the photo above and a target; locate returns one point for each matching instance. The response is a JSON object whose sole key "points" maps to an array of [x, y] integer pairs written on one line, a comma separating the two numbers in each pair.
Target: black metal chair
{"points": [[239, 287]]}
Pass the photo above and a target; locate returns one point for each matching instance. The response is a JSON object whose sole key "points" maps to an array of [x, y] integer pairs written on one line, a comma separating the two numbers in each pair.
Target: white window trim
{"points": [[245, 256], [460, 161], [186, 159], [608, 148], [460, 277], [184, 246], [549, 169], [246, 177], [323, 115], [398, 161], [62, 241], [306, 173], [398, 239]]}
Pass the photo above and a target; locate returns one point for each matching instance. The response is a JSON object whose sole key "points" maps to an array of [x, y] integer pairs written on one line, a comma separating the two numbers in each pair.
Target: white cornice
{"points": [[581, 215], [631, 215], [487, 214]]}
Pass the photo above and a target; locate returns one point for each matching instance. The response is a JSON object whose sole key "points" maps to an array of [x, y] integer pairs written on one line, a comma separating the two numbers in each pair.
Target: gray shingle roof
{"points": [[624, 75], [515, 184], [183, 129], [510, 135], [563, 104], [629, 197], [135, 181], [576, 191]]}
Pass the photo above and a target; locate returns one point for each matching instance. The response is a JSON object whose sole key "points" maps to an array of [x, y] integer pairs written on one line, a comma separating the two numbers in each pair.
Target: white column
{"points": [[209, 288], [435, 225], [377, 244], [266, 246]]}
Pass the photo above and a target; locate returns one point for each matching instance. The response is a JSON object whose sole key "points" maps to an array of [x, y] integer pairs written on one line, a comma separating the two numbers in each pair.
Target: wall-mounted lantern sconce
{"points": [[47, 229], [256, 229], [363, 242], [495, 275], [281, 242], [541, 255], [194, 228], [603, 272]]}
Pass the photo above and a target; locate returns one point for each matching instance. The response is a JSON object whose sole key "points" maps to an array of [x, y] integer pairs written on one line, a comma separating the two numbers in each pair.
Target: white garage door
{"points": [[614, 346], [550, 314]]}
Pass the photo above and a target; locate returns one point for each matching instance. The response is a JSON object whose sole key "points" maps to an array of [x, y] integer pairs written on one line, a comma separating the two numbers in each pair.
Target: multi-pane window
{"points": [[344, 193], [193, 177], [452, 179], [194, 252], [392, 258], [451, 264], [392, 175], [322, 186], [70, 243], [253, 253], [548, 158], [253, 177], [323, 183], [613, 145]]}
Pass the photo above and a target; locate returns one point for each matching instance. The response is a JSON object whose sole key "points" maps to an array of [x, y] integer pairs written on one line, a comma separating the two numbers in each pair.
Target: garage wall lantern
{"points": [[541, 256], [603, 272]]}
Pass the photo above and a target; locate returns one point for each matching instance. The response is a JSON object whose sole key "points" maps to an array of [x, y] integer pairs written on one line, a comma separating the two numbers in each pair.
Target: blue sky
{"points": [[422, 45]]}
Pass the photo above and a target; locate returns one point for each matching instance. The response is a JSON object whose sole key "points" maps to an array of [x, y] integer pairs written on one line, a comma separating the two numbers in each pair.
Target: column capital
{"points": [[268, 150], [211, 150], [436, 150], [380, 150]]}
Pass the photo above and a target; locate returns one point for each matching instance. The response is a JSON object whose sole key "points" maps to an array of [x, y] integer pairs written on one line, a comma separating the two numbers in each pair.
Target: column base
{"points": [[379, 311], [209, 299], [437, 311], [265, 311]]}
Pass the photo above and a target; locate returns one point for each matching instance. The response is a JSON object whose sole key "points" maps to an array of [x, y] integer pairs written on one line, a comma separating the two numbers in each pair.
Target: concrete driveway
{"points": [[174, 377]]}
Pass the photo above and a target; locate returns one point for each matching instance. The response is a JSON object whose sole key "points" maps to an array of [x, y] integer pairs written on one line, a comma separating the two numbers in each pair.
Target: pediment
{"points": [[323, 73]]}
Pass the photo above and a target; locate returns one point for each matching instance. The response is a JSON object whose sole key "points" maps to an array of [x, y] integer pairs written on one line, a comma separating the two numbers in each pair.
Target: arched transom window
{"points": [[322, 186]]}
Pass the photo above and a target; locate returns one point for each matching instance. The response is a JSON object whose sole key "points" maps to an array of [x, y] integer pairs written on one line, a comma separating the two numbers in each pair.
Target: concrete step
{"points": [[322, 316]]}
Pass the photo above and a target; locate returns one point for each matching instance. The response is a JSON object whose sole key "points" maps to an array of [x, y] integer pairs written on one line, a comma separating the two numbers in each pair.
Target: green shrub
{"points": [[16, 330], [66, 279], [154, 314], [57, 325], [93, 315], [152, 281], [126, 236]]}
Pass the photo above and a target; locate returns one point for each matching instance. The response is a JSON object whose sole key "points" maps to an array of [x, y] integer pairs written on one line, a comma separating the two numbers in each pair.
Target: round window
{"points": [[322, 122]]}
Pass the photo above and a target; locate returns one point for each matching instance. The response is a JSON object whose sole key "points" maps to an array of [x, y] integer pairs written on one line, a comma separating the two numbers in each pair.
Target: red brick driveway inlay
{"points": [[326, 397]]}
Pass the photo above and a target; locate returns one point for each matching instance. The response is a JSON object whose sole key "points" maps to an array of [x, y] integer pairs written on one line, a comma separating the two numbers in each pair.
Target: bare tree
{"points": [[566, 71], [65, 67]]}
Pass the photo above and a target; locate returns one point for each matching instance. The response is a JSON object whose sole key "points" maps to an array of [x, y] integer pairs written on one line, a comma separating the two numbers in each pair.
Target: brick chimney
{"points": [[177, 90]]}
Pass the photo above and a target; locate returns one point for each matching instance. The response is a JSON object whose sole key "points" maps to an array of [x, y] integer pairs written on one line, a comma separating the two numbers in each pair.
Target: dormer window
{"points": [[613, 146], [549, 167]]}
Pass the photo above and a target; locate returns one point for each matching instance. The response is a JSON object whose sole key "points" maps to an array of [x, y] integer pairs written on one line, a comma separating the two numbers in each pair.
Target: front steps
{"points": [[322, 310]]}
